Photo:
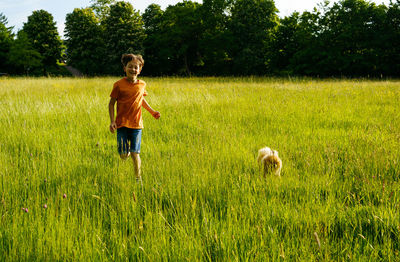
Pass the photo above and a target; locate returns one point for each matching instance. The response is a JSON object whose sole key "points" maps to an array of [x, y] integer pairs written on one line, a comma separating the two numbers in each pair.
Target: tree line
{"points": [[217, 37]]}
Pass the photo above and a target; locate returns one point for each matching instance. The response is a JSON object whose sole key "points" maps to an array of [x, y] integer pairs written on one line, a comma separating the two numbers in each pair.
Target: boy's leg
{"points": [[136, 138], [136, 163], [124, 156], [123, 145]]}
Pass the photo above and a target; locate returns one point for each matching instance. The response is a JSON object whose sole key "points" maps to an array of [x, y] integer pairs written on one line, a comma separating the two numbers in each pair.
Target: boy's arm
{"points": [[154, 113], [111, 105]]}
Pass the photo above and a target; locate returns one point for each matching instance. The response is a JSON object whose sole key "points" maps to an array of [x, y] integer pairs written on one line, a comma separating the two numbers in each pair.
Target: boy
{"points": [[129, 94]]}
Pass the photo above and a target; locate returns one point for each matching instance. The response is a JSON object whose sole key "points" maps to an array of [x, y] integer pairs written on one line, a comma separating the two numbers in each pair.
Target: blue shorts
{"points": [[129, 140]]}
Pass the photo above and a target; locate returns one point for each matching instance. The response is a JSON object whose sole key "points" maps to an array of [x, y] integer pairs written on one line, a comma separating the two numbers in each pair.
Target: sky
{"points": [[17, 11]]}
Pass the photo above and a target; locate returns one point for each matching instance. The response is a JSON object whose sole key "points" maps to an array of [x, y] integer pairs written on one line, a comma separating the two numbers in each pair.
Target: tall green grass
{"points": [[203, 197]]}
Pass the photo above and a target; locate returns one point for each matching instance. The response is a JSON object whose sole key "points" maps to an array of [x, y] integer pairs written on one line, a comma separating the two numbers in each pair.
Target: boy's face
{"points": [[132, 69]]}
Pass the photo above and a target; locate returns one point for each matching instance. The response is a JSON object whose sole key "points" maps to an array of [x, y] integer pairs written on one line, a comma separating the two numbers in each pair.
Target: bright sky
{"points": [[17, 11]]}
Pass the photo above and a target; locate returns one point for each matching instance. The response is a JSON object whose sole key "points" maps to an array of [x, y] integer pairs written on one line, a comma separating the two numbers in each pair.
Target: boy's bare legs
{"points": [[136, 164]]}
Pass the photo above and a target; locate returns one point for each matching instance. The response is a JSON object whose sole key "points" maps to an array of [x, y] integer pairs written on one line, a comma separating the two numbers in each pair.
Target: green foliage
{"points": [[24, 57], [43, 35], [155, 60], [173, 38], [3, 19], [101, 8], [306, 59], [180, 37], [221, 37], [351, 38], [215, 37], [353, 29], [389, 41], [285, 44], [124, 34], [253, 23], [152, 18], [6, 38], [85, 45], [203, 197]]}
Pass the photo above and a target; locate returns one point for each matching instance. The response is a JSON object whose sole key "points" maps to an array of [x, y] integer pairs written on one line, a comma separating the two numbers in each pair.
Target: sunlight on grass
{"points": [[203, 196]]}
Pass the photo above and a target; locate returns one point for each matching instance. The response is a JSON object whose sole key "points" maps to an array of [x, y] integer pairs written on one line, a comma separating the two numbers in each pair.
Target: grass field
{"points": [[203, 197]]}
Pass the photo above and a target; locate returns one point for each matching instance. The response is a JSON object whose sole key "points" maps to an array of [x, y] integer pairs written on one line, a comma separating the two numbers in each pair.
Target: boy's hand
{"points": [[156, 115], [113, 126]]}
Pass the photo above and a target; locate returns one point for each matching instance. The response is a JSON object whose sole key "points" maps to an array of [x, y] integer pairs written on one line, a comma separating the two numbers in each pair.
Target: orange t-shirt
{"points": [[129, 103]]}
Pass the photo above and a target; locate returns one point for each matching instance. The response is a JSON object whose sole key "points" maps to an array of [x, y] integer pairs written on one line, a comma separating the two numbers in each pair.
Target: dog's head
{"points": [[272, 164]]}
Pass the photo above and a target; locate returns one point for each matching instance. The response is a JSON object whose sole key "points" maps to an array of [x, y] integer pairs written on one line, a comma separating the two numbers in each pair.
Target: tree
{"points": [[123, 33], [349, 38], [24, 57], [306, 59], [85, 46], [389, 46], [3, 19], [252, 26], [152, 18], [101, 8], [215, 37], [179, 38], [6, 39], [42, 32], [285, 44]]}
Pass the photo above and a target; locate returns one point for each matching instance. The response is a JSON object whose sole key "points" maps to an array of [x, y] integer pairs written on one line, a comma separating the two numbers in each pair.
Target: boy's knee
{"points": [[135, 155]]}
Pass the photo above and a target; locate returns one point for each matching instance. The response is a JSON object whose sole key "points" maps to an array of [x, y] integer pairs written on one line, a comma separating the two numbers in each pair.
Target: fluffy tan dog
{"points": [[270, 161]]}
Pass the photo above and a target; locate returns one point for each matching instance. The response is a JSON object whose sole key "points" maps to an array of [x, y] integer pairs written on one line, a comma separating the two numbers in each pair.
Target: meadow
{"points": [[66, 196]]}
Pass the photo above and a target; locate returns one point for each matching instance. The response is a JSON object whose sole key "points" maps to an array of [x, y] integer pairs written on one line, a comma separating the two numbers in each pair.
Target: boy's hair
{"points": [[126, 58]]}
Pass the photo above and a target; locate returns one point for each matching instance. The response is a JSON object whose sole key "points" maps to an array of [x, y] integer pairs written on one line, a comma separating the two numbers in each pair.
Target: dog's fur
{"points": [[270, 161]]}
